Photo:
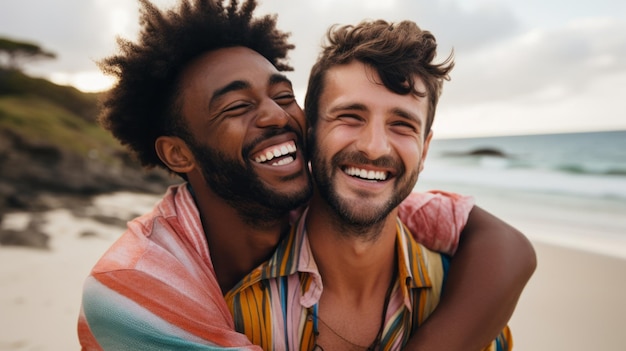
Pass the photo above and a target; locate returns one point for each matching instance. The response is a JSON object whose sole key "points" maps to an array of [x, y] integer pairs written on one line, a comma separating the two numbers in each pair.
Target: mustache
{"points": [[358, 158]]}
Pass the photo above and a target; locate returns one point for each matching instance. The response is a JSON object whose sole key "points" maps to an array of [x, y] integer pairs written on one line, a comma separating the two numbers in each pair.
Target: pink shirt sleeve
{"points": [[436, 218]]}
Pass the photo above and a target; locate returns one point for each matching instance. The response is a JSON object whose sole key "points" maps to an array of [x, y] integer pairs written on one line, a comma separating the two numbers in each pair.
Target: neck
{"points": [[236, 245], [357, 268], [352, 262]]}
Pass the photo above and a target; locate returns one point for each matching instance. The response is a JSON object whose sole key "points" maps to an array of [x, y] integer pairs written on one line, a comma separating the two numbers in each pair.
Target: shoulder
{"points": [[425, 266]]}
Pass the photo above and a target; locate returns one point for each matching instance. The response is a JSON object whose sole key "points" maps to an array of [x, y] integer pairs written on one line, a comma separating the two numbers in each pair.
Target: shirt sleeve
{"points": [[436, 218], [128, 310]]}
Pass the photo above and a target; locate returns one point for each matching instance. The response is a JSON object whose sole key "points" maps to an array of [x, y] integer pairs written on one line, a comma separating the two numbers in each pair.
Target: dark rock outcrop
{"points": [[30, 169], [53, 155]]}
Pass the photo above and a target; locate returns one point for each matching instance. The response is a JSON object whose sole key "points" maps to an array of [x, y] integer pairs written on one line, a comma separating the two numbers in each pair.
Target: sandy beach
{"points": [[573, 302]]}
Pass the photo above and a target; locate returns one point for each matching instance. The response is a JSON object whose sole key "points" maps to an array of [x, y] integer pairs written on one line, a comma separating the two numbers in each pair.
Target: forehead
{"points": [[357, 82], [222, 66]]}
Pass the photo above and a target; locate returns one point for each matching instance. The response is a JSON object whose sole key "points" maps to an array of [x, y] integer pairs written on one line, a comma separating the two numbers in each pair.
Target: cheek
{"points": [[298, 115], [227, 138], [411, 152], [333, 140]]}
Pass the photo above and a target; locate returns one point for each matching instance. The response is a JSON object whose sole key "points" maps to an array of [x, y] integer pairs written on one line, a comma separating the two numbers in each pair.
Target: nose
{"points": [[373, 141], [271, 114]]}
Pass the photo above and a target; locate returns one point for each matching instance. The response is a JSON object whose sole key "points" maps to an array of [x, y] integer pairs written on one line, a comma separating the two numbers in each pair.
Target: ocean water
{"points": [[566, 189], [584, 164]]}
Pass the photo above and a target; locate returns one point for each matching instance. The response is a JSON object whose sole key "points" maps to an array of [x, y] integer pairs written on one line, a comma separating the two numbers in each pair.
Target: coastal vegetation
{"points": [[51, 146]]}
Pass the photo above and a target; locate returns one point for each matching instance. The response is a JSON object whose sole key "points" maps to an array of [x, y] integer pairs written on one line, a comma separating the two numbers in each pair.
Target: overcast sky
{"points": [[521, 66]]}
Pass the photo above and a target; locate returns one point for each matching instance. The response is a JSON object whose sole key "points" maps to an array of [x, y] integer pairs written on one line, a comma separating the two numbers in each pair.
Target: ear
{"points": [[175, 153], [429, 137]]}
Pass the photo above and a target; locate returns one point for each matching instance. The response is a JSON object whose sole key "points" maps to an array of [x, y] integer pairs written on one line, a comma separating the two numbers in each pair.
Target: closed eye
{"points": [[404, 124], [237, 108], [404, 127], [284, 99], [349, 117]]}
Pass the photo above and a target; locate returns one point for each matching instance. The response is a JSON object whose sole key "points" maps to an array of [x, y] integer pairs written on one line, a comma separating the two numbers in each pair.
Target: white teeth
{"points": [[284, 161], [369, 175], [278, 151]]}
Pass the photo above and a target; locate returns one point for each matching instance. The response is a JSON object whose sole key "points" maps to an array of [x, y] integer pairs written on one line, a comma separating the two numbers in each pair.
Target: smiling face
{"points": [[369, 144], [247, 131]]}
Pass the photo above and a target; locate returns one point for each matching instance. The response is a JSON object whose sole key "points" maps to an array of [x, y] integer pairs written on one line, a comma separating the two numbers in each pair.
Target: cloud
{"points": [[78, 31], [566, 59], [600, 108], [83, 31], [565, 78], [464, 29], [512, 58]]}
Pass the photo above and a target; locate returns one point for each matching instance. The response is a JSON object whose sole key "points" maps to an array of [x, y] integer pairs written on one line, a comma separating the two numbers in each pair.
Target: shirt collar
{"points": [[294, 255]]}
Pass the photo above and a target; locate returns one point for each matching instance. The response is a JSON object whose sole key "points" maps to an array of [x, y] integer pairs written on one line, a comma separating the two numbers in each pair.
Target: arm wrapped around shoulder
{"points": [[436, 218]]}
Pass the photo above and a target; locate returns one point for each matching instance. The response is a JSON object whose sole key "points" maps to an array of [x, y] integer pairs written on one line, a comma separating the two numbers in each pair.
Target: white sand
{"points": [[573, 302], [40, 294]]}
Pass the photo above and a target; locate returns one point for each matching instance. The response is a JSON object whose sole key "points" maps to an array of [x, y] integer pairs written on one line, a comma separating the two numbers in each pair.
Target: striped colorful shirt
{"points": [[156, 289], [276, 304]]}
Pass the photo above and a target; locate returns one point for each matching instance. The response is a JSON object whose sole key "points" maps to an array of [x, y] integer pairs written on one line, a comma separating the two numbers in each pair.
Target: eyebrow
{"points": [[277, 78], [349, 106], [242, 84], [232, 86]]}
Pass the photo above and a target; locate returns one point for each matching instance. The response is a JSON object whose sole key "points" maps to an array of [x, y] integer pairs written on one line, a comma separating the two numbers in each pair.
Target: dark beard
{"points": [[351, 221], [243, 190]]}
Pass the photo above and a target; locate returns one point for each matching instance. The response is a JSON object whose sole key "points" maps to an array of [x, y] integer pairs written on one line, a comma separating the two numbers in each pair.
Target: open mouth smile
{"points": [[366, 174], [278, 155]]}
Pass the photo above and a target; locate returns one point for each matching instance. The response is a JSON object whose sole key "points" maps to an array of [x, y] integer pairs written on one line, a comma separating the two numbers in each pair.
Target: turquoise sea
{"points": [[588, 164], [565, 188]]}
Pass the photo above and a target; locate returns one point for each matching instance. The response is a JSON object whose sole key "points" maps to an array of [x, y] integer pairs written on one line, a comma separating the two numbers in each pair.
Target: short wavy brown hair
{"points": [[143, 105], [398, 51]]}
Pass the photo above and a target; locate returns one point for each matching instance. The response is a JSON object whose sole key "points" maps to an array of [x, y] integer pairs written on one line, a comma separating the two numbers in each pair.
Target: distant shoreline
{"points": [[595, 225], [444, 136]]}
